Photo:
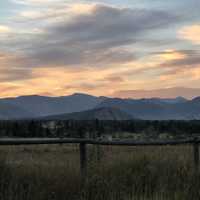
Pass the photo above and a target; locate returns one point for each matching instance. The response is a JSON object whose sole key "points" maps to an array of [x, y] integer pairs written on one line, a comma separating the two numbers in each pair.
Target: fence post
{"points": [[83, 155], [98, 137], [98, 148], [196, 153], [83, 160]]}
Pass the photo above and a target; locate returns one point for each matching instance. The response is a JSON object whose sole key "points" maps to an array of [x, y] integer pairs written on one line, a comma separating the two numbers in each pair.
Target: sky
{"points": [[104, 48]]}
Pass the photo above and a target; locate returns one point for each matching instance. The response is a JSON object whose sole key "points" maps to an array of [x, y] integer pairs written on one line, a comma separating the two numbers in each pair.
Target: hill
{"points": [[108, 113]]}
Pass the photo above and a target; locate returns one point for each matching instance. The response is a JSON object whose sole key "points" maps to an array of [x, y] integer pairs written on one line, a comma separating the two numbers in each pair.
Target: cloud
{"points": [[12, 68], [83, 46], [105, 32], [37, 2], [113, 79], [161, 93], [99, 35], [8, 87], [112, 25], [186, 58], [4, 29], [171, 54], [14, 74], [55, 13], [191, 33], [180, 68]]}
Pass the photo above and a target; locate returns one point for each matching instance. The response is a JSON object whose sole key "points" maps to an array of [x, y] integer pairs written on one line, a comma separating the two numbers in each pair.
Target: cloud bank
{"points": [[94, 47]]}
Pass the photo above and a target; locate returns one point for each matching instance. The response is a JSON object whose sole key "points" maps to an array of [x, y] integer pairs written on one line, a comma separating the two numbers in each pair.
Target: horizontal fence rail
{"points": [[35, 141], [84, 142]]}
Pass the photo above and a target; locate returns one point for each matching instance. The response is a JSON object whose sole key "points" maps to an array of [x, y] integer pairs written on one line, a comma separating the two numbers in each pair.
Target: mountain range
{"points": [[80, 106]]}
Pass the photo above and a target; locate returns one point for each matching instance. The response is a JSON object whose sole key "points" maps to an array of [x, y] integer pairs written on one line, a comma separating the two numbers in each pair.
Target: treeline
{"points": [[95, 128]]}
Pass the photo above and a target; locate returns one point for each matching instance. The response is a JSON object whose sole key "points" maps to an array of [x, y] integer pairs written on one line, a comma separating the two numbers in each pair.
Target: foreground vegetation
{"points": [[124, 173]]}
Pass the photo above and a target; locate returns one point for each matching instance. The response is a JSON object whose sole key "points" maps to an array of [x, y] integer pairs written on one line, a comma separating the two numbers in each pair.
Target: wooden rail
{"points": [[37, 141], [84, 142]]}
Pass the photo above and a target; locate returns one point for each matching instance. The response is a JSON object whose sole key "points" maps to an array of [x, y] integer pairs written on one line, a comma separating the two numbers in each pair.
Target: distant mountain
{"points": [[189, 110], [44, 106], [157, 109], [9, 111], [196, 100], [142, 109], [108, 113], [83, 106], [164, 101]]}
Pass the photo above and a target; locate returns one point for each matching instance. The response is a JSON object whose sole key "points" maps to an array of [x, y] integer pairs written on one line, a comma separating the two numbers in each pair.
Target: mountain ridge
{"points": [[36, 106]]}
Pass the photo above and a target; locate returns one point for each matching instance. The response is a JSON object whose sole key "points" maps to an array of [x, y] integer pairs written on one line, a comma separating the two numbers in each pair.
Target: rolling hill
{"points": [[108, 113]]}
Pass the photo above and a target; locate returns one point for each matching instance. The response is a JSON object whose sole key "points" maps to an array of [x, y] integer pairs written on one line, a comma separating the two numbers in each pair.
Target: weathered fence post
{"points": [[83, 159], [98, 148], [196, 153], [83, 155], [98, 136]]}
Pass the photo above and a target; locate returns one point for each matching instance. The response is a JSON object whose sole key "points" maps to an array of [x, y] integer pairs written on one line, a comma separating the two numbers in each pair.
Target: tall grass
{"points": [[124, 173]]}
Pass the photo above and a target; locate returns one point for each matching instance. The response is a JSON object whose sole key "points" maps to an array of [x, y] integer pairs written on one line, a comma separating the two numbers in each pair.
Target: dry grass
{"points": [[124, 173]]}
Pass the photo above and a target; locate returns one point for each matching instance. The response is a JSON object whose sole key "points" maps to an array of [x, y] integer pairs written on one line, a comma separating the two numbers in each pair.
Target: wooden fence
{"points": [[84, 142]]}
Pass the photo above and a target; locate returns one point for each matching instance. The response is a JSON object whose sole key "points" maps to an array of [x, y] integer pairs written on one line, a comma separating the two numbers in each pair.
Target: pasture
{"points": [[52, 172]]}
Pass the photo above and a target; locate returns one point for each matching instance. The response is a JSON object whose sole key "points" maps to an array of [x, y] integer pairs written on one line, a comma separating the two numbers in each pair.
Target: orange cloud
{"points": [[4, 29], [171, 54], [60, 81], [64, 12], [57, 81], [169, 92], [191, 33], [82, 8]]}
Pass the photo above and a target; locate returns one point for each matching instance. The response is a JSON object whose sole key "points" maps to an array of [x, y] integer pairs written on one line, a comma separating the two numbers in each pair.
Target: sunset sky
{"points": [[110, 47]]}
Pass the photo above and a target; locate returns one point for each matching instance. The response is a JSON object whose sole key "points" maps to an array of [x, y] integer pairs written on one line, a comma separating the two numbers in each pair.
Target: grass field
{"points": [[52, 172]]}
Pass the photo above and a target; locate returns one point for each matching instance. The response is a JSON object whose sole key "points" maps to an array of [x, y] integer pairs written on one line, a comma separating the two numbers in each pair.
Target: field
{"points": [[52, 172]]}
